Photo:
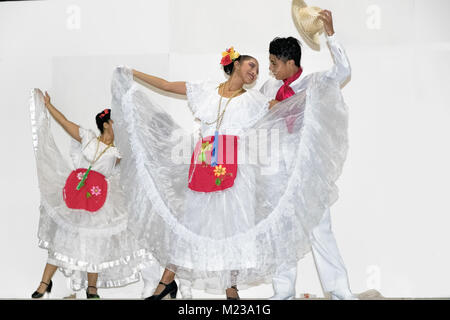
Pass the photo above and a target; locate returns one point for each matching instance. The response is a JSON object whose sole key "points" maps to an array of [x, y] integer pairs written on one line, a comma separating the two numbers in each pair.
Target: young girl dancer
{"points": [[83, 218]]}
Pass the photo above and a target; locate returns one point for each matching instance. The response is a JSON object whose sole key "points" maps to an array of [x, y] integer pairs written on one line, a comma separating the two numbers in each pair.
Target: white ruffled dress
{"points": [[79, 241], [285, 179]]}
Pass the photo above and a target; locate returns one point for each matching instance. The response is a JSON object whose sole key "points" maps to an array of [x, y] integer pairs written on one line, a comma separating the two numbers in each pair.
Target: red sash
{"points": [[286, 92], [91, 196], [205, 178]]}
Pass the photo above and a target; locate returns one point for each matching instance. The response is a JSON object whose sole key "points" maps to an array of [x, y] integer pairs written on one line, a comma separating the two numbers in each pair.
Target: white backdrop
{"points": [[391, 221]]}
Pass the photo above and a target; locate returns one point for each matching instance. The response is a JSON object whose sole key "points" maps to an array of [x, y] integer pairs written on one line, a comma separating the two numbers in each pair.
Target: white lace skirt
{"points": [[243, 234]]}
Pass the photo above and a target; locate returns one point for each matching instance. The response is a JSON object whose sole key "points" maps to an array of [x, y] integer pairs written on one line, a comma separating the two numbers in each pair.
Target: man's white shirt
{"points": [[340, 71]]}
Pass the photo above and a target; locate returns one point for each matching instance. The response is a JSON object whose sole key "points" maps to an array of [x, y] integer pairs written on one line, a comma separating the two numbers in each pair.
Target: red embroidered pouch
{"points": [[205, 178], [91, 196]]}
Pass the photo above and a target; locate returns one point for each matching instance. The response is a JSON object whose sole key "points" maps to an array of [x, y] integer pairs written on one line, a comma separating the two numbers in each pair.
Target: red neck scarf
{"points": [[286, 91]]}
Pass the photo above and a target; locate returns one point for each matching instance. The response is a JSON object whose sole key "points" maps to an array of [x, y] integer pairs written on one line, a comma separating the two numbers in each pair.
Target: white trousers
{"points": [[329, 264]]}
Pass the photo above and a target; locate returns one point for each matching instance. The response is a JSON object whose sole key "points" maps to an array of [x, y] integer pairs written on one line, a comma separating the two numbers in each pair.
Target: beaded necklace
{"points": [[218, 122], [94, 160]]}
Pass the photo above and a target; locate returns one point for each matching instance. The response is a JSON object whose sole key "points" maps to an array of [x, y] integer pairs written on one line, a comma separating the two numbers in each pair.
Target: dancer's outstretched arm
{"points": [[178, 87], [341, 70], [71, 128]]}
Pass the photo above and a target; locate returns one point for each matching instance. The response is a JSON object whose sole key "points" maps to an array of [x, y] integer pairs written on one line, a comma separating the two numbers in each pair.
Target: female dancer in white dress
{"points": [[83, 220], [235, 213]]}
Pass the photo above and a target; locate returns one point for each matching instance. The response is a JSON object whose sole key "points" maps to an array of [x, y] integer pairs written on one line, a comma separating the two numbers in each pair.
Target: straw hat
{"points": [[307, 22]]}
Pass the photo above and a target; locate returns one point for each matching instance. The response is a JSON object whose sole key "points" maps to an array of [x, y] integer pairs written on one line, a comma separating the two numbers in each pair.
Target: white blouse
{"points": [[242, 112], [83, 154]]}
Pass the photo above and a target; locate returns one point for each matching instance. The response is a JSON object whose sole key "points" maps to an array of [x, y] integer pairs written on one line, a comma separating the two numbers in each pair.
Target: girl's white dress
{"points": [[285, 179], [79, 241]]}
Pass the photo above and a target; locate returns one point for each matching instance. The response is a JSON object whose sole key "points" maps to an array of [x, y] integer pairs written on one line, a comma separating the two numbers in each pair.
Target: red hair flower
{"points": [[226, 60], [228, 56], [105, 112]]}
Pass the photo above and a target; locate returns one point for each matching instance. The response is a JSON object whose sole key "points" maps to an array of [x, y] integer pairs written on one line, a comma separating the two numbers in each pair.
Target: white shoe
{"points": [[285, 296]]}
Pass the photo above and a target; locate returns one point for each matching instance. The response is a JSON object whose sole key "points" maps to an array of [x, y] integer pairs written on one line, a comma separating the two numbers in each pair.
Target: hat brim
{"points": [[312, 40], [299, 4]]}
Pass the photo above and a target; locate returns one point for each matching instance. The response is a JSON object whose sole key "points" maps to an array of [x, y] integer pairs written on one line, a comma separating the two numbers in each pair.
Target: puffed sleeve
{"points": [[117, 153], [76, 147]]}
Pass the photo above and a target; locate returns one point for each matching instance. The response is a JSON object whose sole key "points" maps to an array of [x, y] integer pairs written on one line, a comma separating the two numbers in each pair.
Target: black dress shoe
{"points": [[37, 295], [91, 295], [237, 296], [170, 288]]}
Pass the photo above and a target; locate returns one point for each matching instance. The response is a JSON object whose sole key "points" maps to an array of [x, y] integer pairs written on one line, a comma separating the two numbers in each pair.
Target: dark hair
{"points": [[101, 118], [286, 49], [229, 68]]}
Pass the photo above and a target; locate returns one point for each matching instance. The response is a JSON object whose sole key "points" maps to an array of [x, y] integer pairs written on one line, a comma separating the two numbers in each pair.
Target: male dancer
{"points": [[285, 55]]}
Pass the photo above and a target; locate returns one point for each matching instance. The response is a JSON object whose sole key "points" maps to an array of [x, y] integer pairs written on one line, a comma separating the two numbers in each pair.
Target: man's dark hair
{"points": [[286, 49]]}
